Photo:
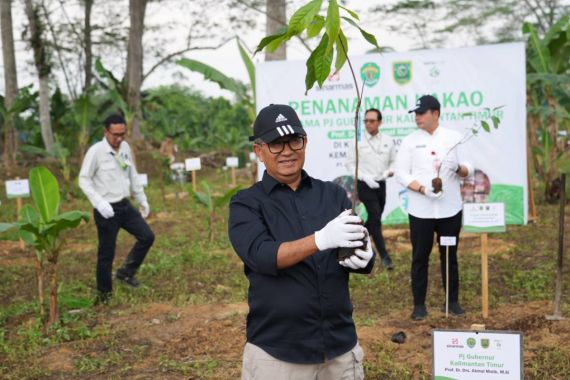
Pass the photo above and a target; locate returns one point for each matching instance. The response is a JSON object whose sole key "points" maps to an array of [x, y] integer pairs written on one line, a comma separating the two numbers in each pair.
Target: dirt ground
{"points": [[194, 333]]}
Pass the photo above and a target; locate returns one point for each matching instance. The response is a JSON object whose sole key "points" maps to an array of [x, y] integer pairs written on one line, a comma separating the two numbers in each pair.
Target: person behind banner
{"points": [[108, 177], [423, 154], [376, 156], [287, 229]]}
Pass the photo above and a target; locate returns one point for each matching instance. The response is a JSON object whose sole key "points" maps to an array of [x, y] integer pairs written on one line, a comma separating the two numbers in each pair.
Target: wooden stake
{"points": [[558, 293], [234, 177], [532, 217], [446, 281], [18, 209], [194, 180], [484, 275]]}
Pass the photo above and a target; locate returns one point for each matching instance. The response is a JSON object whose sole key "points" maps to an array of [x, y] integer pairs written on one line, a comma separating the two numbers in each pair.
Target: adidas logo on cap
{"points": [[280, 118]]}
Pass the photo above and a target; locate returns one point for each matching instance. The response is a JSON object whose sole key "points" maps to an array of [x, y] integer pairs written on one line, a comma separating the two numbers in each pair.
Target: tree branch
{"points": [[251, 6], [179, 52]]}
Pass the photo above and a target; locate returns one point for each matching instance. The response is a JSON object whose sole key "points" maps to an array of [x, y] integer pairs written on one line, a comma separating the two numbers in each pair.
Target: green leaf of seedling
{"points": [[465, 114], [498, 108], [367, 36], [485, 126], [269, 39], [475, 131], [332, 24], [303, 17], [341, 51], [315, 26], [496, 121], [352, 13], [311, 76], [323, 61]]}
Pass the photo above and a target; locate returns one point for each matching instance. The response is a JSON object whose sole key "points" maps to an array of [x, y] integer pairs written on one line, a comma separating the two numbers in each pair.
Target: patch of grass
{"points": [[201, 369], [549, 363]]}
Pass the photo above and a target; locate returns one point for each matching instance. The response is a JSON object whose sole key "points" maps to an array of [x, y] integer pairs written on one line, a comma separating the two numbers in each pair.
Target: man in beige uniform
{"points": [[108, 177]]}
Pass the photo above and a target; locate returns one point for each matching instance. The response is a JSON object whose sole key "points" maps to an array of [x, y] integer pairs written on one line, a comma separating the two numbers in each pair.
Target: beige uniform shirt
{"points": [[108, 175]]}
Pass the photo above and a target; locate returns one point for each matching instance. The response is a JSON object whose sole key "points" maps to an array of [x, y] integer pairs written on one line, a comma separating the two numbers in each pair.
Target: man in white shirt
{"points": [[376, 155], [108, 177], [429, 152]]}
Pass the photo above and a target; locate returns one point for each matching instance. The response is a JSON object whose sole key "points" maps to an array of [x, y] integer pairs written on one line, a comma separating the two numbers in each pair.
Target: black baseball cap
{"points": [[426, 102], [275, 121]]}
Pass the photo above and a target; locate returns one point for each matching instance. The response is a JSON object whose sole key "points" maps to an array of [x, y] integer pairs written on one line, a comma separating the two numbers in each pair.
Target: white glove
{"points": [[387, 174], [369, 180], [341, 232], [105, 209], [430, 194], [360, 259], [145, 209]]}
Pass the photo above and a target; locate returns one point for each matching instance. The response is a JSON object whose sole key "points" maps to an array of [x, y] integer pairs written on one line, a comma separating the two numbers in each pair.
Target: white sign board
{"points": [[19, 188], [476, 355], [466, 80], [232, 162], [193, 164], [484, 217], [448, 241], [143, 179]]}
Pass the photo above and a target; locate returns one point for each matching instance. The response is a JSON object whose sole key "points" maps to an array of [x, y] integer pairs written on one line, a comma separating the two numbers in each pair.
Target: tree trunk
{"points": [[276, 19], [53, 306], [88, 50], [43, 68], [137, 10], [40, 278], [10, 82]]}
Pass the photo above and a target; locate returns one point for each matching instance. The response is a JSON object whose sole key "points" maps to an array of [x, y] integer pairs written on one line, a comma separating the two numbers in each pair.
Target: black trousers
{"points": [[374, 200], [421, 233], [130, 219]]}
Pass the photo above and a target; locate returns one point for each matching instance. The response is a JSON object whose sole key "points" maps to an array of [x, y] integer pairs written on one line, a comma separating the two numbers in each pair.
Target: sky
{"points": [[174, 22]]}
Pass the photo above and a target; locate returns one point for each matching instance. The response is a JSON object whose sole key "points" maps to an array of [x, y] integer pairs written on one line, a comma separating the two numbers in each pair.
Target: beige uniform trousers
{"points": [[259, 365]]}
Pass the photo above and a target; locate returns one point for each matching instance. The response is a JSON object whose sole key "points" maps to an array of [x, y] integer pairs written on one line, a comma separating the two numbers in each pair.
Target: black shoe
{"points": [[387, 262], [129, 280], [454, 309], [420, 313], [102, 298]]}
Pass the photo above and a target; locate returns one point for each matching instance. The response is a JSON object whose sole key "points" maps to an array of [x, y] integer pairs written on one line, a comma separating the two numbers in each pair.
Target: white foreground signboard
{"points": [[470, 83], [484, 217], [477, 355]]}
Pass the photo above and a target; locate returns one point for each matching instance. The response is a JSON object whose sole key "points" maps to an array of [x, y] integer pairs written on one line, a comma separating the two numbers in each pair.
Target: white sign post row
{"points": [[18, 189], [484, 218]]}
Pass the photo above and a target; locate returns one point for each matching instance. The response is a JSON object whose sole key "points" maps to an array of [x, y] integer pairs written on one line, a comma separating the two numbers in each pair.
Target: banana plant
{"points": [[40, 225], [225, 82], [212, 203], [548, 66]]}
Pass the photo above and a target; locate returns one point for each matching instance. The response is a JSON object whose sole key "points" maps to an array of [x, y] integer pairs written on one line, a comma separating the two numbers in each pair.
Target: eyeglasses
{"points": [[295, 143], [370, 120]]}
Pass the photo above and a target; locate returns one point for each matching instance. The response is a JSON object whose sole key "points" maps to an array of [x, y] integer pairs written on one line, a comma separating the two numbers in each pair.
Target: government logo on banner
{"points": [[402, 72], [370, 73]]}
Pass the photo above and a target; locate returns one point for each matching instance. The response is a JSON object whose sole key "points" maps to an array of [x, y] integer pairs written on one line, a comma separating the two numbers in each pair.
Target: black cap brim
{"points": [[279, 131]]}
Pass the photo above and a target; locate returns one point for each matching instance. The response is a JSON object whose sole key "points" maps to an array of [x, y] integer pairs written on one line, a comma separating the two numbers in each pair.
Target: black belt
{"points": [[122, 202]]}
